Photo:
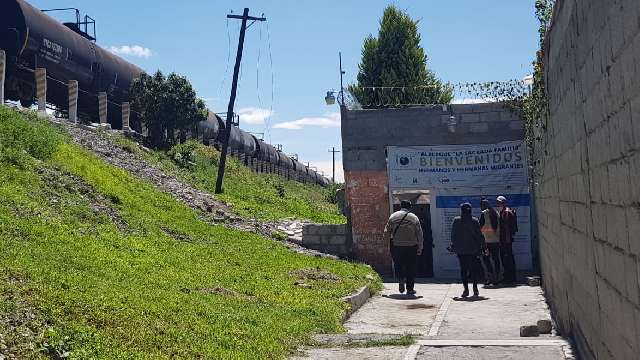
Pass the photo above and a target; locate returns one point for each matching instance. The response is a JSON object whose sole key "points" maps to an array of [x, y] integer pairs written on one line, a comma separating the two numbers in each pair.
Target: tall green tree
{"points": [[396, 59], [168, 105]]}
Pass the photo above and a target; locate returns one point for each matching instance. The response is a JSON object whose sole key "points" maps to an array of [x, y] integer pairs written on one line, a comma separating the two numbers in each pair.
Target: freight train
{"points": [[32, 39], [242, 142]]}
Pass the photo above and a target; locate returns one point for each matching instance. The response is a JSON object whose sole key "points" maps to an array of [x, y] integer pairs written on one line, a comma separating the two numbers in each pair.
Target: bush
{"points": [[19, 136], [184, 154]]}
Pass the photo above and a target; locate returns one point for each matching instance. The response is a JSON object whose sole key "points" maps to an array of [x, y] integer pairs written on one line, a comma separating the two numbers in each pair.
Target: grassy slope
{"points": [[107, 292], [250, 194]]}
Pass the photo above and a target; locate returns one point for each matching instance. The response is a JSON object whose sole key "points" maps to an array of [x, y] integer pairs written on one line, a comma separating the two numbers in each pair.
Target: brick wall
{"points": [[368, 199], [588, 197]]}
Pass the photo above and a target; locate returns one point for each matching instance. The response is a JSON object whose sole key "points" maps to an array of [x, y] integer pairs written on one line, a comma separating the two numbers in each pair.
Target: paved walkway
{"points": [[448, 328]]}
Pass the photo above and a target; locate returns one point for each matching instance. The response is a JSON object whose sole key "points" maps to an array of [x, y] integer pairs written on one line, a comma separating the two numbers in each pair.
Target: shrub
{"points": [[33, 136]]}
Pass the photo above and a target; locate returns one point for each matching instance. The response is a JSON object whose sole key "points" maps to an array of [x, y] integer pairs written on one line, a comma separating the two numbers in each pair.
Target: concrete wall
{"points": [[588, 196], [330, 239], [365, 137]]}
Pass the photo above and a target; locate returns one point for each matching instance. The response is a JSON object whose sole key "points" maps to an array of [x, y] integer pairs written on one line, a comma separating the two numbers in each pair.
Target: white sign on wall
{"points": [[458, 165], [455, 174]]}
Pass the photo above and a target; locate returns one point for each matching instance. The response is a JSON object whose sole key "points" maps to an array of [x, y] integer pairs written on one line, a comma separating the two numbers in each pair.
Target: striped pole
{"points": [[126, 109], [73, 101], [102, 107], [3, 64], [41, 89]]}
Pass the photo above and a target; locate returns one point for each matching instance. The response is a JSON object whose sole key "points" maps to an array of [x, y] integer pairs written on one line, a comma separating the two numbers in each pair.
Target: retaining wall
{"points": [[330, 239], [588, 196]]}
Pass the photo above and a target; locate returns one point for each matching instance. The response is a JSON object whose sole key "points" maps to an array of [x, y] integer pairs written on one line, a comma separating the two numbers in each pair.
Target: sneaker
{"points": [[411, 292], [401, 287]]}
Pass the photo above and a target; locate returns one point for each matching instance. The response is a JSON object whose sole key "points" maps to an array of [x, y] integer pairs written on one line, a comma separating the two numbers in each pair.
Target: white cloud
{"points": [[133, 50], [254, 116], [326, 167], [328, 121]]}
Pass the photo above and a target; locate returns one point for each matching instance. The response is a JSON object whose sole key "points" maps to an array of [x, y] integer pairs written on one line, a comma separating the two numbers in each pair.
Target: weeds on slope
{"points": [[260, 196], [98, 290]]}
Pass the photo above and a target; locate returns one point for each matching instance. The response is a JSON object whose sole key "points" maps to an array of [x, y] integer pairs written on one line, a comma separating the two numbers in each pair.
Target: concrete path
{"points": [[446, 327]]}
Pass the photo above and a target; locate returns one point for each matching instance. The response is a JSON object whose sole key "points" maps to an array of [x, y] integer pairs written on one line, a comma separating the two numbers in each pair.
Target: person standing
{"points": [[403, 233], [490, 227], [467, 242], [508, 228]]}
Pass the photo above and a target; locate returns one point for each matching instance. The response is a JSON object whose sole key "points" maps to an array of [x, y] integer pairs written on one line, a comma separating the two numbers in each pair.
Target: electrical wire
{"points": [[226, 70], [268, 127]]}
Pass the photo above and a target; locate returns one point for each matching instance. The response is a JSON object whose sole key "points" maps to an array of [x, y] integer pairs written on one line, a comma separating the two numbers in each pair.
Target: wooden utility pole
{"points": [[234, 86], [334, 151]]}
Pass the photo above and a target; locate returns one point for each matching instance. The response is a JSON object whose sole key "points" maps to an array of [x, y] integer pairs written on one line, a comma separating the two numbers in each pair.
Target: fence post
{"points": [[73, 101], [126, 109], [102, 107], [41, 89], [3, 65]]}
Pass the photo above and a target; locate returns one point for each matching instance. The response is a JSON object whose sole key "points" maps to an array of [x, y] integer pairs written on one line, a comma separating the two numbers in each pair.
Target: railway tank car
{"points": [[211, 132], [33, 39]]}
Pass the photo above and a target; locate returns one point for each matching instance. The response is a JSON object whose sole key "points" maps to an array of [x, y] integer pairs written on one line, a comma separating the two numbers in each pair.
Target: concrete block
{"points": [[356, 300], [311, 239], [469, 118], [126, 109], [544, 326], [325, 229], [3, 65], [102, 107], [73, 100], [341, 229], [635, 119], [529, 331], [632, 290], [309, 229], [633, 229], [337, 239], [479, 127], [41, 89], [617, 231]]}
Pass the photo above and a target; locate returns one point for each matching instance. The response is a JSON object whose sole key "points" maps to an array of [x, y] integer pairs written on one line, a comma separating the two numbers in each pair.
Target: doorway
{"points": [[421, 200]]}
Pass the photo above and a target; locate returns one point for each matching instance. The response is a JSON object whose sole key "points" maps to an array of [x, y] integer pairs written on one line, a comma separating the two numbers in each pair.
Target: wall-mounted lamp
{"points": [[451, 125], [330, 99]]}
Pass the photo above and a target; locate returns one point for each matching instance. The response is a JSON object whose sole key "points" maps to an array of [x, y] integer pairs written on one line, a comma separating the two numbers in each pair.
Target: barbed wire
{"points": [[363, 97]]}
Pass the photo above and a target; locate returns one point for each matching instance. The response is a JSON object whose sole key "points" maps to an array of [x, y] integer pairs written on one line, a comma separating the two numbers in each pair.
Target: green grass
{"points": [[261, 196], [99, 290]]}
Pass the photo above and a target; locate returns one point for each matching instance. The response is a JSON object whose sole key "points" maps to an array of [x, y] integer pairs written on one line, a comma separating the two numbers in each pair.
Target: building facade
{"points": [[373, 187]]}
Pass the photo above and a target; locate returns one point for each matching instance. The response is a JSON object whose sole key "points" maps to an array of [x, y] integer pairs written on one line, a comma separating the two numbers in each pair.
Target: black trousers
{"points": [[508, 262], [492, 262], [470, 268], [404, 262]]}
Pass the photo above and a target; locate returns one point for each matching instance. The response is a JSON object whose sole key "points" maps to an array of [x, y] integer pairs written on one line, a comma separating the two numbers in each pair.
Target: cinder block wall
{"points": [[328, 238], [366, 134], [589, 194]]}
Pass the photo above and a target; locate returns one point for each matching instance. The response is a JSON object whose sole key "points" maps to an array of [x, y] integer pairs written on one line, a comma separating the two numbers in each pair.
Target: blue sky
{"points": [[466, 41]]}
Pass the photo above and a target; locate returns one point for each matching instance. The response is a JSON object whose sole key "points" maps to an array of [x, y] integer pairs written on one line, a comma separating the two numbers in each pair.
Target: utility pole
{"points": [[234, 86], [334, 151]]}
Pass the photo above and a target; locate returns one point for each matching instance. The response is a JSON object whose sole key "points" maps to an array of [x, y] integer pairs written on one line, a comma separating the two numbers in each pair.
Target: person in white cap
{"points": [[508, 228]]}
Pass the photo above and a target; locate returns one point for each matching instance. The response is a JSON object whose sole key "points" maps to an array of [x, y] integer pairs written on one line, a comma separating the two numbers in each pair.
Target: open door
{"points": [[422, 209]]}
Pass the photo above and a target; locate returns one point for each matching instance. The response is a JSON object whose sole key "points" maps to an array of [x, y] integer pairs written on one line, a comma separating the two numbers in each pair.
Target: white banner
{"points": [[455, 174], [428, 167]]}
